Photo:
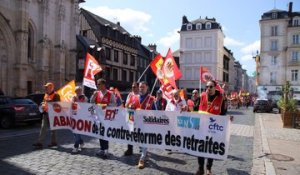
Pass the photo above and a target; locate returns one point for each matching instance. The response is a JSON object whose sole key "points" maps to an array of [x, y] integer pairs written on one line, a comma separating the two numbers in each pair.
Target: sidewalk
{"points": [[279, 152]]}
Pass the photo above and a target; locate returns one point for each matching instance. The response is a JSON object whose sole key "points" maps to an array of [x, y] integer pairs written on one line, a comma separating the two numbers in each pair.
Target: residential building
{"points": [[280, 50], [202, 44], [121, 55], [37, 44]]}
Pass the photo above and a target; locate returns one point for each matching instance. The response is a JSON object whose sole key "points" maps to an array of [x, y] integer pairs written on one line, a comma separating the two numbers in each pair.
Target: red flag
{"points": [[205, 75], [170, 67], [156, 65], [91, 68]]}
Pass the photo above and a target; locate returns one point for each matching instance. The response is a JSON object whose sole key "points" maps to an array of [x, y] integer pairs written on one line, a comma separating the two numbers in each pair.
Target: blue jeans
{"points": [[78, 140]]}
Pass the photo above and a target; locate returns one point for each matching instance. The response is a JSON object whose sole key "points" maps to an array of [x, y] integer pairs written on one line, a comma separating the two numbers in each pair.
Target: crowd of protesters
{"points": [[211, 100]]}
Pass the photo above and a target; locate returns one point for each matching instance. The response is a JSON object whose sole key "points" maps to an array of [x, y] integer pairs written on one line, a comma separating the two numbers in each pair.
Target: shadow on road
{"points": [[232, 171]]}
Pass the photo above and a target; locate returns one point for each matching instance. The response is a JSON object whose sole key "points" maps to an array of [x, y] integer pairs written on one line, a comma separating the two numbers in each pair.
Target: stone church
{"points": [[37, 44]]}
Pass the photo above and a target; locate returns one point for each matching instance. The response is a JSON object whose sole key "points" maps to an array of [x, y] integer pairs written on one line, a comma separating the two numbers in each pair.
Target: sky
{"points": [[158, 21]]}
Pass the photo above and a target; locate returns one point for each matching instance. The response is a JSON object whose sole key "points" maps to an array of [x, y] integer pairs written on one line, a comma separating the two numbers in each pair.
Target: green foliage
{"points": [[285, 103], [289, 106]]}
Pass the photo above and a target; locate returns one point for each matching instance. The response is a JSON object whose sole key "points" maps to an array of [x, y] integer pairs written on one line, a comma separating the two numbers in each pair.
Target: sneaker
{"points": [[105, 156], [100, 153], [141, 164], [75, 150], [208, 172], [128, 152], [81, 145], [200, 172], [53, 144]]}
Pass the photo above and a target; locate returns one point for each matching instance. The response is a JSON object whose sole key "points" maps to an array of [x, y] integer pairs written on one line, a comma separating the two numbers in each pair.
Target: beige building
{"points": [[280, 50], [202, 44], [37, 44]]}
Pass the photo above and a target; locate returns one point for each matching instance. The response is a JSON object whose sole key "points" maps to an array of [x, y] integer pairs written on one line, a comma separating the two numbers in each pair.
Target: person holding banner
{"points": [[146, 101], [211, 101], [160, 101], [103, 97], [132, 102], [176, 103], [196, 100], [79, 97], [50, 96]]}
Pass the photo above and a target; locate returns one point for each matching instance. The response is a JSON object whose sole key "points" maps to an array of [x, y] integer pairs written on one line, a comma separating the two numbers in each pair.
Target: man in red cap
{"points": [[50, 96]]}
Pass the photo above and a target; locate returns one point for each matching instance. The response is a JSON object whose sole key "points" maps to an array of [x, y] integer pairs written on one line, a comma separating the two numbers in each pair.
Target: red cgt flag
{"points": [[91, 68], [205, 75], [170, 67]]}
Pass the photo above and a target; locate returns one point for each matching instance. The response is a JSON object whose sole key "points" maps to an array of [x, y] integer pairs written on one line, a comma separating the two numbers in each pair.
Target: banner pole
{"points": [[143, 73]]}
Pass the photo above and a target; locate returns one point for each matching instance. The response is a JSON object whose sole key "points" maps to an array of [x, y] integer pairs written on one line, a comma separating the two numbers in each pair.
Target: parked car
{"points": [[14, 110], [262, 105], [37, 98]]}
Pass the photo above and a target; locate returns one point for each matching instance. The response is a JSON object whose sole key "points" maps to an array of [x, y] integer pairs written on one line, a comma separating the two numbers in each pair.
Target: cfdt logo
{"points": [[214, 126], [188, 122]]}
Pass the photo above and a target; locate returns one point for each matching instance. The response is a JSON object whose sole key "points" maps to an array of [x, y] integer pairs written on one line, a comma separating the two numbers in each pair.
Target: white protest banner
{"points": [[193, 133]]}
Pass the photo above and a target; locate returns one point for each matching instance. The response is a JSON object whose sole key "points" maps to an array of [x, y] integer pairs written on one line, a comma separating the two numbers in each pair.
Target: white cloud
{"points": [[251, 48], [170, 39], [133, 21], [232, 42], [247, 57]]}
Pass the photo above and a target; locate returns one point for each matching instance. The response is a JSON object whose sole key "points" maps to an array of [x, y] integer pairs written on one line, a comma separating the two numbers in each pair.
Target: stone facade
{"points": [[280, 50], [202, 44], [37, 44]]}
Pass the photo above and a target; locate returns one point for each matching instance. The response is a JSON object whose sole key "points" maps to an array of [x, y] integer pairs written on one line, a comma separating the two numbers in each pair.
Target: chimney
{"points": [[118, 23], [185, 20], [138, 38], [290, 9], [152, 47]]}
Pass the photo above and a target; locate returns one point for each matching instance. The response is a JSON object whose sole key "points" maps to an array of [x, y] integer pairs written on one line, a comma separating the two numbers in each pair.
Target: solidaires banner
{"points": [[197, 134]]}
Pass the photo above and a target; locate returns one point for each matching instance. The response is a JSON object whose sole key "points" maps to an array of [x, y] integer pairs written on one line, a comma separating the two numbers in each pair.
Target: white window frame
{"points": [[198, 26], [296, 22], [295, 55], [273, 60], [274, 15], [274, 45], [189, 27], [272, 77], [208, 25], [296, 39], [294, 75], [274, 31]]}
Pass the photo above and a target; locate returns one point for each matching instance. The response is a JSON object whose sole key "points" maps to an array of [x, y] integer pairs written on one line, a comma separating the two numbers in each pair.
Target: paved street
{"points": [[18, 157]]}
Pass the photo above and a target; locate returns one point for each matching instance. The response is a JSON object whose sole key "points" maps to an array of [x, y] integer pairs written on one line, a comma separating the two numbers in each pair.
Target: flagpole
{"points": [[143, 73], [152, 92], [200, 81]]}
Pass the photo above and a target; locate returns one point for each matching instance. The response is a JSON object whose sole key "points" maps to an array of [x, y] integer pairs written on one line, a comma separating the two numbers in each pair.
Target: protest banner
{"points": [[197, 134]]}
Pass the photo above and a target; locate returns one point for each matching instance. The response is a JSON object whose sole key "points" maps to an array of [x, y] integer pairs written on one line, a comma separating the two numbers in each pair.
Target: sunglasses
{"points": [[210, 87]]}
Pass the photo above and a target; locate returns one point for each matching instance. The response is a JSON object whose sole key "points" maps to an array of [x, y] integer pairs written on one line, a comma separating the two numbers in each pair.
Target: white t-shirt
{"points": [[175, 105]]}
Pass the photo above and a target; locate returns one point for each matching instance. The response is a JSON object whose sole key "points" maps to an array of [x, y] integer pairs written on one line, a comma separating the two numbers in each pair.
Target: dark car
{"points": [[37, 98], [13, 110], [262, 105]]}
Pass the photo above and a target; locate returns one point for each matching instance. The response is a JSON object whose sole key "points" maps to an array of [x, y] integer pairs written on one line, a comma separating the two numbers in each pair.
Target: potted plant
{"points": [[288, 106]]}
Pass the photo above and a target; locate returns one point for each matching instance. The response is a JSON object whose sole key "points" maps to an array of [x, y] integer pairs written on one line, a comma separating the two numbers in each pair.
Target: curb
{"points": [[270, 170]]}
